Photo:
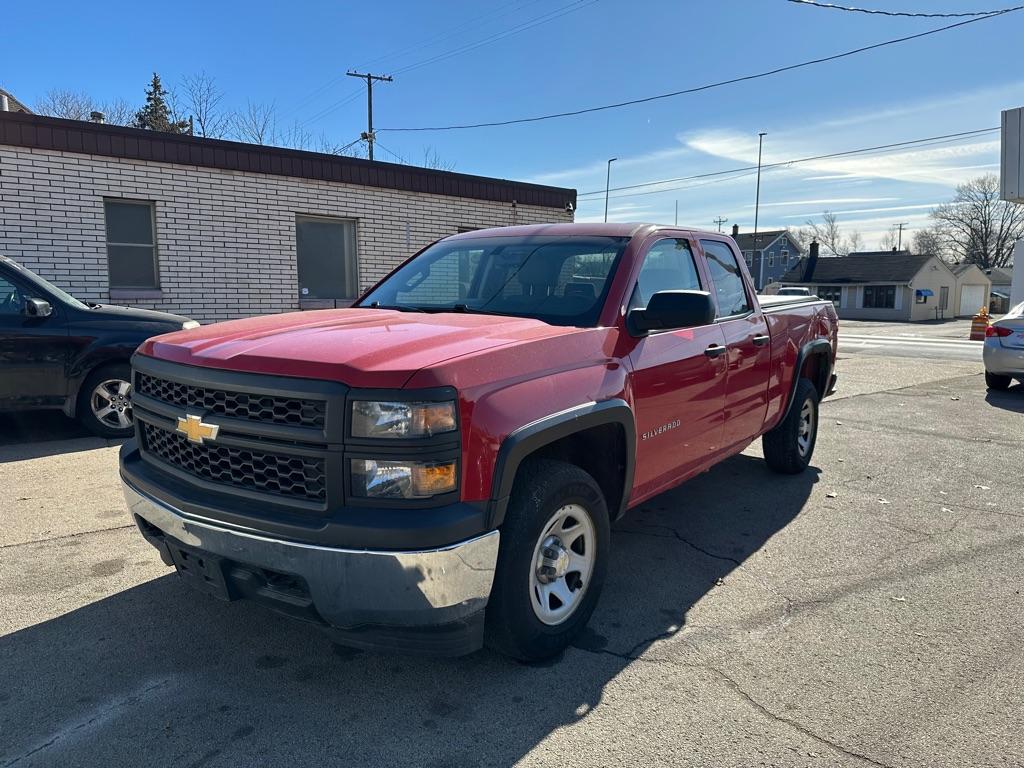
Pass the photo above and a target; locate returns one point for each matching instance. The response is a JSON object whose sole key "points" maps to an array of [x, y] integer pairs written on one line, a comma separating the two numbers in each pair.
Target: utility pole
{"points": [[720, 221], [607, 183], [899, 237], [369, 136], [757, 208]]}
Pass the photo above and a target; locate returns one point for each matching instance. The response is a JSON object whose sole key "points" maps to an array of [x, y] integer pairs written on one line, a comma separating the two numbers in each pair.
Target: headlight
{"points": [[371, 418], [402, 479], [188, 325]]}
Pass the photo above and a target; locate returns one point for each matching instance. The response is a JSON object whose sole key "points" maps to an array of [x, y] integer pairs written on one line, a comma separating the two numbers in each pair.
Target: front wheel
{"points": [[789, 446], [104, 402], [997, 381], [552, 561]]}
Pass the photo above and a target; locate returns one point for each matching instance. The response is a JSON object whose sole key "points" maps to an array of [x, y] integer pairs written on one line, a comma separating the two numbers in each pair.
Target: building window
{"points": [[326, 258], [771, 259], [785, 257], [749, 256], [833, 293], [131, 244], [920, 298], [879, 297]]}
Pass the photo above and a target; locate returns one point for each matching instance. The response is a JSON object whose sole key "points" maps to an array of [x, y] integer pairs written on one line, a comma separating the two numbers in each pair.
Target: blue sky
{"points": [[597, 51]]}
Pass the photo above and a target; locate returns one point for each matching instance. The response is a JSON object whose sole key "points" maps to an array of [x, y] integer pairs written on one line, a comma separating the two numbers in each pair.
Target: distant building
{"points": [[218, 229], [1002, 282], [777, 248], [10, 104], [973, 287], [880, 285]]}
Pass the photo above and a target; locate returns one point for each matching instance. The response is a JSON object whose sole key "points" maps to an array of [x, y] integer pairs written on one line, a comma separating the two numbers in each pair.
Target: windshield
{"points": [[559, 280], [45, 285]]}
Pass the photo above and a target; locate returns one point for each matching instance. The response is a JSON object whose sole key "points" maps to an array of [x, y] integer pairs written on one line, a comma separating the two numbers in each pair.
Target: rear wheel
{"points": [[104, 402], [997, 381], [789, 446], [552, 561]]}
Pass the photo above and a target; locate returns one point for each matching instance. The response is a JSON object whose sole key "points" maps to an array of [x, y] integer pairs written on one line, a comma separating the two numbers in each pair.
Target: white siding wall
{"points": [[225, 239]]}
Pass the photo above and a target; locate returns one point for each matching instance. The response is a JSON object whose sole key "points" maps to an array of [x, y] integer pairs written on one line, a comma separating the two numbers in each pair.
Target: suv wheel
{"points": [[997, 381], [789, 446], [104, 402], [552, 562]]}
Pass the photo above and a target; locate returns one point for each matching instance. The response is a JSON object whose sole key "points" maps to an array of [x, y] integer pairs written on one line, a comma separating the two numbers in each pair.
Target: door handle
{"points": [[761, 339], [714, 350]]}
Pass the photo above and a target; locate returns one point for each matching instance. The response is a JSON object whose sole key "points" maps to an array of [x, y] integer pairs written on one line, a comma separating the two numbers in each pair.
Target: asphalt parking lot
{"points": [[868, 612]]}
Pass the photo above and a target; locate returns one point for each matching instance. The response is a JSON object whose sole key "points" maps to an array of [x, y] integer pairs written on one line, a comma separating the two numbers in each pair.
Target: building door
{"points": [[972, 298], [325, 250], [944, 298]]}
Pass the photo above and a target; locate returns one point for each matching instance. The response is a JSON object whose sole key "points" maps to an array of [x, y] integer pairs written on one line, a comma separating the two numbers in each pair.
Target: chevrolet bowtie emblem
{"points": [[196, 431]]}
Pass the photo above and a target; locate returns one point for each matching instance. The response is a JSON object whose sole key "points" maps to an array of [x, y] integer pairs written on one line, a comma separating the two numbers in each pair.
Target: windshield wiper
{"points": [[398, 307]]}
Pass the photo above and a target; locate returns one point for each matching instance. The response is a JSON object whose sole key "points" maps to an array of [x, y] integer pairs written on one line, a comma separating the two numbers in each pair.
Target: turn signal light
{"points": [[432, 479], [996, 330]]}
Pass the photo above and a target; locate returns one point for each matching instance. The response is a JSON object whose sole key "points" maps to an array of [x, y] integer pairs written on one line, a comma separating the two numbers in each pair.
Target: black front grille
{"points": [[283, 475], [292, 411]]}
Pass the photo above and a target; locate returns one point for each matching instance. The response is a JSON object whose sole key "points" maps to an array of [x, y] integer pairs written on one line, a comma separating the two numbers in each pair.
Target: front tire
{"points": [[104, 404], [997, 381], [789, 446], [552, 562]]}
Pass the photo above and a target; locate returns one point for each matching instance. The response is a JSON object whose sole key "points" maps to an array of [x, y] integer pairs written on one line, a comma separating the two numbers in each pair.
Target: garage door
{"points": [[972, 298]]}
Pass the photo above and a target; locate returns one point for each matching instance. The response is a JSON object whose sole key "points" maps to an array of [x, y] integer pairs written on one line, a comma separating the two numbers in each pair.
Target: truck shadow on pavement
{"points": [[1011, 399], [33, 434], [160, 671]]}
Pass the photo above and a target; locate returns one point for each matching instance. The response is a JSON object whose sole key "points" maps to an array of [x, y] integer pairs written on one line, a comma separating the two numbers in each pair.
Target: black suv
{"points": [[58, 352]]}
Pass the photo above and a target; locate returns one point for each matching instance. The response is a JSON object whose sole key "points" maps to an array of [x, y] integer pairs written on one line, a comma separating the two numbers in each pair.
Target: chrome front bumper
{"points": [[350, 589]]}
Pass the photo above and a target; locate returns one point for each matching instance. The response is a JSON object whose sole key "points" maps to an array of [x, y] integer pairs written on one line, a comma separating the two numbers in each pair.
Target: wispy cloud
{"points": [[851, 211], [825, 201]]}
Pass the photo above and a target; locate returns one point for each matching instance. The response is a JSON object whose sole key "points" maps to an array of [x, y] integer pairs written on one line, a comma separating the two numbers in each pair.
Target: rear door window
{"points": [[727, 279]]}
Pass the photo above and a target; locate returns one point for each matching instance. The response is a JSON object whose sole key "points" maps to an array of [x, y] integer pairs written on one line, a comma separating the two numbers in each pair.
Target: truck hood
{"points": [[358, 347]]}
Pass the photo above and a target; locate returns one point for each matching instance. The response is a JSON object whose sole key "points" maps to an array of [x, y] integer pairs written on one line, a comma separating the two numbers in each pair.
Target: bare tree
{"points": [[118, 111], [930, 241], [889, 241], [431, 159], [79, 105], [830, 235], [201, 99], [977, 227], [256, 124]]}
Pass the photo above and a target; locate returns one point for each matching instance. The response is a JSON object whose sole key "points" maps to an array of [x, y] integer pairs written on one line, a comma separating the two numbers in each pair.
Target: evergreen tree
{"points": [[156, 114]]}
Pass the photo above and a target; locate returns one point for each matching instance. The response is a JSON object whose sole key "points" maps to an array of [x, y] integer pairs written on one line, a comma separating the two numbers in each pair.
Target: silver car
{"points": [[1004, 349]]}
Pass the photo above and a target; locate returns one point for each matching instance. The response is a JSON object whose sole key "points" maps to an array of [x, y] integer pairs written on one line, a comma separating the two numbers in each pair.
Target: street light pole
{"points": [[757, 209], [607, 183]]}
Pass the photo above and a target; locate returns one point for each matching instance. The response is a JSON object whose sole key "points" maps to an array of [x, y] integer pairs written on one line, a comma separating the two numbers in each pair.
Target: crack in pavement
{"points": [[66, 536]]}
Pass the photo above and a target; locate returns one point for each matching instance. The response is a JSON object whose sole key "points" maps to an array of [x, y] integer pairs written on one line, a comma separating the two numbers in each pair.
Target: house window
{"points": [[785, 256], [833, 293], [879, 297], [326, 258], [771, 259], [131, 245], [749, 256], [920, 298]]}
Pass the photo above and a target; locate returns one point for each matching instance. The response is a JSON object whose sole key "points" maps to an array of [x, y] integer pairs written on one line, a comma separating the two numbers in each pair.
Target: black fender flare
{"points": [[817, 347], [535, 435]]}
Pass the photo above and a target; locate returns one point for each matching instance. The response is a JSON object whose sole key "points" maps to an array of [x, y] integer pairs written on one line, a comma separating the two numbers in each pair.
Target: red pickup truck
{"points": [[439, 466]]}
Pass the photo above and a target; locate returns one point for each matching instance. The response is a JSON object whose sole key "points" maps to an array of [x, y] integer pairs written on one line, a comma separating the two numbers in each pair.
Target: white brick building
{"points": [[215, 229]]}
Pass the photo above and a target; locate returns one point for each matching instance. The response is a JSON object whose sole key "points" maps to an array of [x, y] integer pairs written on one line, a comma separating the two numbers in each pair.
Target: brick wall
{"points": [[225, 239]]}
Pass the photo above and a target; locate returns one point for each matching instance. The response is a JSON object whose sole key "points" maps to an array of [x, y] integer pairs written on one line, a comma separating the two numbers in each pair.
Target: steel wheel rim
{"points": [[111, 403], [805, 432], [562, 565]]}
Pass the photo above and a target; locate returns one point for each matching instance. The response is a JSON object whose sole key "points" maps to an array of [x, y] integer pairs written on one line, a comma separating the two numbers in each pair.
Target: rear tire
{"points": [[997, 381], [789, 446], [552, 561], [104, 407]]}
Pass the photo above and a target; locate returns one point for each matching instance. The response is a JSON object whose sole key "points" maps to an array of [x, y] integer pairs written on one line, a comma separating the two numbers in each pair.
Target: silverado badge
{"points": [[196, 431]]}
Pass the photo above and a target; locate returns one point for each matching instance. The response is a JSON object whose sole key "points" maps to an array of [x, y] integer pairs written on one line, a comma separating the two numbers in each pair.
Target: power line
{"points": [[875, 12], [707, 86], [787, 163]]}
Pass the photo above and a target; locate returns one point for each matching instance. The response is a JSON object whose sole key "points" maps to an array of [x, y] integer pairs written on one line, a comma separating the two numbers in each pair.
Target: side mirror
{"points": [[37, 308], [670, 310]]}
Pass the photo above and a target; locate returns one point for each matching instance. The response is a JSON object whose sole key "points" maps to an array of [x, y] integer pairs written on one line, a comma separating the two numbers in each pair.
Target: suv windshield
{"points": [[559, 280], [45, 285]]}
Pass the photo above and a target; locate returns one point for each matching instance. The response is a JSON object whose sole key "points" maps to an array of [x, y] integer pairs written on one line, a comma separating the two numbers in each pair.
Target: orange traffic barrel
{"points": [[979, 324]]}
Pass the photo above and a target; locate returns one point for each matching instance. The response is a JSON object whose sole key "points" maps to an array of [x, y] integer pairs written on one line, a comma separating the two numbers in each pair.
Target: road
{"points": [[937, 341], [865, 613]]}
